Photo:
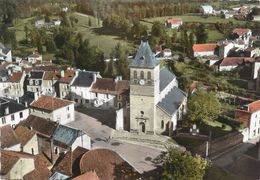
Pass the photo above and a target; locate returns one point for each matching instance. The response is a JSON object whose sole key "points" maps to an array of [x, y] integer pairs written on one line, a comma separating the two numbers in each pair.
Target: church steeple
{"points": [[144, 57]]}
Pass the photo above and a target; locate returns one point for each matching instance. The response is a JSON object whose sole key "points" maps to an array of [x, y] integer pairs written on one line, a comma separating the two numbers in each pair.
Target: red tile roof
{"points": [[68, 76], [204, 47], [51, 75], [91, 175], [15, 77], [8, 137], [49, 104], [110, 86], [240, 31], [9, 158], [107, 164], [254, 106], [70, 161], [24, 134], [243, 116], [174, 21], [235, 61]]}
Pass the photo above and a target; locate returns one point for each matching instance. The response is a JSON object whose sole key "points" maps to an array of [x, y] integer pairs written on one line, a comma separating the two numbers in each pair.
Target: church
{"points": [[156, 102]]}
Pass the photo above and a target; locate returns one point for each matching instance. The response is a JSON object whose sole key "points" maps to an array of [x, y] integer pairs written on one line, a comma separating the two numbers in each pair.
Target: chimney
{"points": [[6, 110], [17, 100], [36, 95], [26, 104], [62, 73]]}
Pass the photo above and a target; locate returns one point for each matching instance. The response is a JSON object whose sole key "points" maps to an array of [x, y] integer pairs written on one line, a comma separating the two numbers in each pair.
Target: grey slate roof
{"points": [[12, 105], [172, 101], [3, 75], [84, 79], [36, 74], [165, 78], [144, 57], [65, 135]]}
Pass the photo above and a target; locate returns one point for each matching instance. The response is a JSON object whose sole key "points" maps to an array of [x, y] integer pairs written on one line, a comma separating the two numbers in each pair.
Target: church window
{"points": [[142, 75], [142, 113], [135, 75], [149, 77], [162, 124]]}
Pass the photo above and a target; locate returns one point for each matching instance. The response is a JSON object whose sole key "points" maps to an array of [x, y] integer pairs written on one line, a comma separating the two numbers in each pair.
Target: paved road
{"points": [[141, 158], [228, 158]]}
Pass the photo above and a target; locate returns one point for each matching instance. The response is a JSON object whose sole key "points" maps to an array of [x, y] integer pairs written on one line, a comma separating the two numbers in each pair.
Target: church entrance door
{"points": [[142, 127]]}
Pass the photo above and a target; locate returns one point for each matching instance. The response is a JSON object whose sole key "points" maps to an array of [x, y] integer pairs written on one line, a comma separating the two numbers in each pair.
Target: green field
{"points": [[104, 39]]}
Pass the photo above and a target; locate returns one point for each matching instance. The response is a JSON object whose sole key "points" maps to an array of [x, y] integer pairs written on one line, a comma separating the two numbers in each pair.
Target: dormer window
{"points": [[142, 58]]}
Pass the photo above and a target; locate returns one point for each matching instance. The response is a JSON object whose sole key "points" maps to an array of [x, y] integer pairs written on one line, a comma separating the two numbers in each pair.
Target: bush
{"points": [[230, 121]]}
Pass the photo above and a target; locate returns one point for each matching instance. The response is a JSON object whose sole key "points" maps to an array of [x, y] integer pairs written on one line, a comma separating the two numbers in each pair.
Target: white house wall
{"points": [[17, 118]]}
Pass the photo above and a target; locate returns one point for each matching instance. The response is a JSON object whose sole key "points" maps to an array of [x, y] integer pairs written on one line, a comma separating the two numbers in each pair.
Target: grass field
{"points": [[104, 39]]}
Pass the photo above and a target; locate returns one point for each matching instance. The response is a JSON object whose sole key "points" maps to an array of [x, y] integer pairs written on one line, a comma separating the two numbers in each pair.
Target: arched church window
{"points": [[149, 75], [142, 75], [162, 124], [135, 75]]}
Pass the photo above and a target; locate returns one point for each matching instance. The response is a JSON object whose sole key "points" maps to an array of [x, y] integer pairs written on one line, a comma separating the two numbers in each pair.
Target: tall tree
{"points": [[121, 54], [183, 166], [201, 34], [203, 106]]}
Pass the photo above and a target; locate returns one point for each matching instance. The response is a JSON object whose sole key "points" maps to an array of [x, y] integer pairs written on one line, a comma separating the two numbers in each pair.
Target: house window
{"points": [[142, 75], [107, 96], [96, 95], [3, 120], [149, 75], [32, 151], [68, 116], [68, 108], [119, 97], [21, 114], [87, 101], [76, 100], [56, 150], [12, 117], [142, 113]]}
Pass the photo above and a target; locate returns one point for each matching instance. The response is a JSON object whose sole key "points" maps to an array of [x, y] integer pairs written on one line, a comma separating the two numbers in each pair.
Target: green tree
{"points": [[201, 34], [203, 106], [183, 166], [26, 30], [158, 29], [121, 54]]}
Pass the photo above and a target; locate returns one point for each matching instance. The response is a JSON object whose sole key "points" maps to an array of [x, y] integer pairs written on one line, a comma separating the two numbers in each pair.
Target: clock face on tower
{"points": [[141, 82]]}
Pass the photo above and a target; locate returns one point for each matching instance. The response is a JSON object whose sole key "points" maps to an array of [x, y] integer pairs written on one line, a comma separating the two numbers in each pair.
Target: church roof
{"points": [[165, 78], [172, 101], [144, 57]]}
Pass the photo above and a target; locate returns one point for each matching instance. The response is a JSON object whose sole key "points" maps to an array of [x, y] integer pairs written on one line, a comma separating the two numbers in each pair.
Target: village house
{"points": [[11, 163], [16, 84], [3, 82], [50, 79], [5, 53], [52, 108], [206, 9], [249, 115], [12, 112], [34, 81], [34, 57], [66, 78], [173, 23], [230, 63], [243, 34], [201, 50], [81, 85], [9, 140], [28, 140], [158, 89], [110, 93]]}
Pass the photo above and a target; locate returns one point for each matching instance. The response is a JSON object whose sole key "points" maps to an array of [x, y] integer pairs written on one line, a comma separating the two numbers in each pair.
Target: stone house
{"points": [[5, 53], [34, 81], [9, 140], [50, 78], [109, 93], [11, 163], [200, 50], [34, 57], [52, 108], [156, 88], [67, 77], [81, 85], [12, 112], [173, 23], [249, 115], [16, 84], [28, 140]]}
